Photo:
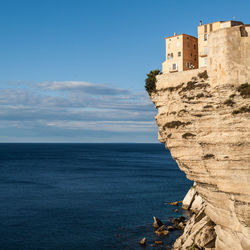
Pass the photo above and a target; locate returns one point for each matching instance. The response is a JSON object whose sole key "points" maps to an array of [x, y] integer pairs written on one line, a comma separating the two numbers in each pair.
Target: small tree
{"points": [[203, 75], [151, 80]]}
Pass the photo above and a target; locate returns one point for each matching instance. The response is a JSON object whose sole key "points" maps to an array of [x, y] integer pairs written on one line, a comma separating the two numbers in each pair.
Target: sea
{"points": [[86, 196]]}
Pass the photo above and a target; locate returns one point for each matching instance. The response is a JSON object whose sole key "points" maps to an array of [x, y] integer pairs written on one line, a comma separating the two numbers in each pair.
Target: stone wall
{"points": [[229, 55], [174, 79]]}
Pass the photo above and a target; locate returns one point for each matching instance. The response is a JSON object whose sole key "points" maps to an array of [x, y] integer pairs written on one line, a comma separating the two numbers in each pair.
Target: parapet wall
{"points": [[174, 79]]}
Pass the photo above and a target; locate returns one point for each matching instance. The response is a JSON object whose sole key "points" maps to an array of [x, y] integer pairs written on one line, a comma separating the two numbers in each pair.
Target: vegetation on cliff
{"points": [[244, 109], [203, 75], [151, 80], [244, 90]]}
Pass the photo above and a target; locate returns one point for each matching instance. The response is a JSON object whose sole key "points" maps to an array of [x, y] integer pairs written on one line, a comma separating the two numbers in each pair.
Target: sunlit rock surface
{"points": [[206, 128]]}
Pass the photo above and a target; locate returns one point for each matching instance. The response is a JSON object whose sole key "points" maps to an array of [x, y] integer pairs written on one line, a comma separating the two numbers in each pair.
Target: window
{"points": [[205, 51], [205, 61], [223, 25], [178, 44], [195, 57], [211, 27], [205, 37], [189, 65], [194, 46], [191, 54], [179, 53], [174, 66], [170, 56], [205, 28]]}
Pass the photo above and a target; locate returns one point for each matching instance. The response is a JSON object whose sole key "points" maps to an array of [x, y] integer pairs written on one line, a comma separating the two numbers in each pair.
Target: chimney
{"points": [[175, 34], [200, 22]]}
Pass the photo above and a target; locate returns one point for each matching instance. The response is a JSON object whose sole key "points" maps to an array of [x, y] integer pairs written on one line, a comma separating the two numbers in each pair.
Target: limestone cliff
{"points": [[206, 128]]}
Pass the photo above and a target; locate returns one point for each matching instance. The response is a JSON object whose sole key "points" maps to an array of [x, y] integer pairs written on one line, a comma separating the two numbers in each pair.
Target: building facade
{"points": [[229, 55], [185, 52], [203, 34], [181, 53]]}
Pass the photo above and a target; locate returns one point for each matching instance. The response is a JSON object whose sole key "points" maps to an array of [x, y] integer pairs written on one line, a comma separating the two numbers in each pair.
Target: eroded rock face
{"points": [[188, 200], [208, 133]]}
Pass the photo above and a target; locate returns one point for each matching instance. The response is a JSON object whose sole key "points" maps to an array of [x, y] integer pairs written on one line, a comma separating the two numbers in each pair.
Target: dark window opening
{"points": [[205, 28], [211, 27]]}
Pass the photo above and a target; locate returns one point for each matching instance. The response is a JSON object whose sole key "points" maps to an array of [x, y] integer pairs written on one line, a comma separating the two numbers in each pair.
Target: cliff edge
{"points": [[203, 119], [206, 128]]}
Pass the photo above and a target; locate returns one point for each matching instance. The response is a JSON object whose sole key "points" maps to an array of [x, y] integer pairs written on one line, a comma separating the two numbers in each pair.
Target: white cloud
{"points": [[91, 88], [111, 126], [73, 109]]}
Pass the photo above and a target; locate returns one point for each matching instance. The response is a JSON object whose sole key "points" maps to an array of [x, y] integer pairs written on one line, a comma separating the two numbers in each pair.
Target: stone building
{"points": [[181, 53], [218, 46], [203, 33], [229, 55]]}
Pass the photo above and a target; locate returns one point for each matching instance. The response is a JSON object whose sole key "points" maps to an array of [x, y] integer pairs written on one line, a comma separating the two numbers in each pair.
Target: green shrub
{"points": [[151, 80], [244, 90], [229, 102], [244, 109], [203, 75], [190, 86], [174, 88]]}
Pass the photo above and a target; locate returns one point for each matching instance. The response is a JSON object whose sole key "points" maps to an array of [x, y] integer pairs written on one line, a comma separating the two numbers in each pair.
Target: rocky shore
{"points": [[162, 230], [199, 231]]}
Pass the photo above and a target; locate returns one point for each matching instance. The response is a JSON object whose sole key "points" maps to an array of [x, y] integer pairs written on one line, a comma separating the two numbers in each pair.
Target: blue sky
{"points": [[73, 71]]}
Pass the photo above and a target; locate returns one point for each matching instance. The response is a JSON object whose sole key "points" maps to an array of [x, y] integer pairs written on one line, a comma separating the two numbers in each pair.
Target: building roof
{"points": [[222, 22], [180, 35]]}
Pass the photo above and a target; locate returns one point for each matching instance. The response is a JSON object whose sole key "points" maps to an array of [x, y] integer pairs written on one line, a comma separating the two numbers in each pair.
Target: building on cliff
{"points": [[203, 34], [221, 46], [203, 119], [181, 53]]}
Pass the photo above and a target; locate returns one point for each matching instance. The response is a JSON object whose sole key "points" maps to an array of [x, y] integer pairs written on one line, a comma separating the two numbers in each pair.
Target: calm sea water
{"points": [[85, 196]]}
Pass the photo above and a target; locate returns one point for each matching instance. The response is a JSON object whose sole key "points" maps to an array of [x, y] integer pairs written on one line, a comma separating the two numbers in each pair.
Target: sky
{"points": [[74, 70]]}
